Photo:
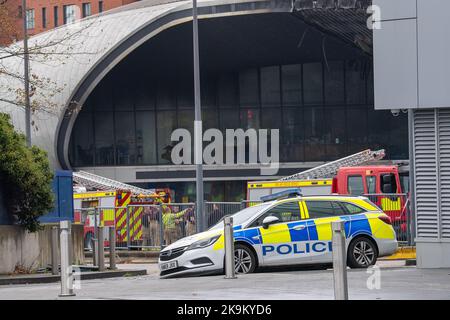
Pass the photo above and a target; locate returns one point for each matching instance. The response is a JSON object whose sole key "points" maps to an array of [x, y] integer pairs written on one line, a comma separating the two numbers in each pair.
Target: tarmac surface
{"points": [[391, 280]]}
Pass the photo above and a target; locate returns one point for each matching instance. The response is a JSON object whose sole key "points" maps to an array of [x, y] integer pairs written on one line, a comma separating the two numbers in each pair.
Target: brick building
{"points": [[44, 15]]}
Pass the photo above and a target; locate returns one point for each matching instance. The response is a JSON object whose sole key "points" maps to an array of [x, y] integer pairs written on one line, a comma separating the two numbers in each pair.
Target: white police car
{"points": [[290, 231]]}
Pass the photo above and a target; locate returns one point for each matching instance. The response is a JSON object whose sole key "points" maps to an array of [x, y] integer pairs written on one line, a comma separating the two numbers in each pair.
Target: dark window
{"points": [[125, 138], [314, 126], [334, 82], [227, 91], [320, 209], [285, 212], [166, 123], [292, 135], [104, 138], [270, 86], [248, 88], [55, 16], [351, 208], [335, 132], [312, 83], [291, 83], [100, 6], [145, 137], [82, 140], [44, 17], [388, 183], [404, 182], [355, 185], [355, 82], [357, 128], [86, 8]]}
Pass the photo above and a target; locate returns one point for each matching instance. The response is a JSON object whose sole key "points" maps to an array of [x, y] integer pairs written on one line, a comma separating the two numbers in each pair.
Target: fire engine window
{"points": [[371, 182], [355, 185], [388, 183]]}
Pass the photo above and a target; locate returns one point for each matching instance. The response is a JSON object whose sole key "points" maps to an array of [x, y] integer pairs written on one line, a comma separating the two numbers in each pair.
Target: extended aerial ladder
{"points": [[97, 182], [330, 169]]}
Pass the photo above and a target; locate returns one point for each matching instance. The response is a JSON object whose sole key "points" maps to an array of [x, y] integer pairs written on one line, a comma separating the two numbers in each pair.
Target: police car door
{"points": [[321, 214], [281, 241]]}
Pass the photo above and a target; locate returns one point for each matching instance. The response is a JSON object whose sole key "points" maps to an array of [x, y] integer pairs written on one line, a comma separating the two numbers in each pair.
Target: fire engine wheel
{"points": [[362, 253]]}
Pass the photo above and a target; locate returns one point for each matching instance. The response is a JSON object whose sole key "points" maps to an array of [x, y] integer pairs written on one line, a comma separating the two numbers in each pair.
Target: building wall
{"points": [[51, 5], [31, 251], [11, 26]]}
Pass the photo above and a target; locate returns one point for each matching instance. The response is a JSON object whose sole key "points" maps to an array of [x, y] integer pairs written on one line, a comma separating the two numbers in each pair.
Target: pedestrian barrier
{"points": [[397, 207], [152, 227], [215, 211]]}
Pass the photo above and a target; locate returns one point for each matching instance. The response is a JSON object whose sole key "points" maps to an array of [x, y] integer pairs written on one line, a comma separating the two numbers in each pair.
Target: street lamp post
{"points": [[198, 147], [26, 75]]}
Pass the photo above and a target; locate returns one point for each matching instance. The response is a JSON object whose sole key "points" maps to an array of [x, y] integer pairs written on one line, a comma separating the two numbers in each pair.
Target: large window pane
{"points": [[335, 135], [125, 138], [291, 84], [229, 119], [210, 119], [166, 123], [291, 137], [314, 134], [166, 96], [312, 83], [227, 91], [208, 92], [334, 82], [355, 82], [145, 96], [357, 129], [249, 118], [248, 88], [270, 86], [398, 147], [145, 138], [378, 129], [185, 98], [104, 138], [82, 142]]}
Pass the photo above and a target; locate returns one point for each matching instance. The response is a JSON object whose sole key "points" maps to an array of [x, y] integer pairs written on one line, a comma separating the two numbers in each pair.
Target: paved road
{"points": [[395, 283]]}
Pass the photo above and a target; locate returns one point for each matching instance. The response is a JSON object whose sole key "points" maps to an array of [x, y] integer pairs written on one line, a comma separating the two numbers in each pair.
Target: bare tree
{"points": [[50, 48]]}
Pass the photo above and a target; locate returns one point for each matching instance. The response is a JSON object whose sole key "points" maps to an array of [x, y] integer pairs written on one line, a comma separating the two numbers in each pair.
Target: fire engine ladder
{"points": [[329, 169], [101, 183]]}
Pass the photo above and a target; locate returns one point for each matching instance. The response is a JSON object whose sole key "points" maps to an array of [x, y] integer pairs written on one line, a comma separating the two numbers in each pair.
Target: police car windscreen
{"points": [[244, 215]]}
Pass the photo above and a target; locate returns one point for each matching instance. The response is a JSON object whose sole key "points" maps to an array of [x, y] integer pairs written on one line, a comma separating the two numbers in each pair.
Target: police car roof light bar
{"points": [[288, 193]]}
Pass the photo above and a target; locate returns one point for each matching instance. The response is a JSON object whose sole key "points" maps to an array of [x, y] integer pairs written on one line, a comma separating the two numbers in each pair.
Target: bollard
{"points": [[54, 237], [230, 272], [94, 241], [339, 261], [66, 268], [101, 248], [112, 248], [161, 227], [128, 228]]}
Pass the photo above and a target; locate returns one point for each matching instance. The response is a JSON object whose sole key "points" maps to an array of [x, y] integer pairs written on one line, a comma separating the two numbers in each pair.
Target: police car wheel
{"points": [[244, 259], [362, 253]]}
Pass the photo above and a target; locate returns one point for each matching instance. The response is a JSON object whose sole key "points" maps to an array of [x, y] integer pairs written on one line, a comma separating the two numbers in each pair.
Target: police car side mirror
{"points": [[269, 220]]}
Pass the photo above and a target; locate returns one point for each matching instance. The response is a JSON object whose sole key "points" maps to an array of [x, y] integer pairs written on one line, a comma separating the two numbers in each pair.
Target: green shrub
{"points": [[25, 176]]}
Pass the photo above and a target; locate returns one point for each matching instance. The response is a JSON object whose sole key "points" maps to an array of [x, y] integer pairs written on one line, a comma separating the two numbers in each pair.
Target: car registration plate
{"points": [[169, 265]]}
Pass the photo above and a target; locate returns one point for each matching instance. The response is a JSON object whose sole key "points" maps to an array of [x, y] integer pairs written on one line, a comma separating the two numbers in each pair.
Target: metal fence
{"points": [[397, 207], [152, 227]]}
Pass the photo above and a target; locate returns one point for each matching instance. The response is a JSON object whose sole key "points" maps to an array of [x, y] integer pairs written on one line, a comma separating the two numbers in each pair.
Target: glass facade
{"points": [[324, 111]]}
